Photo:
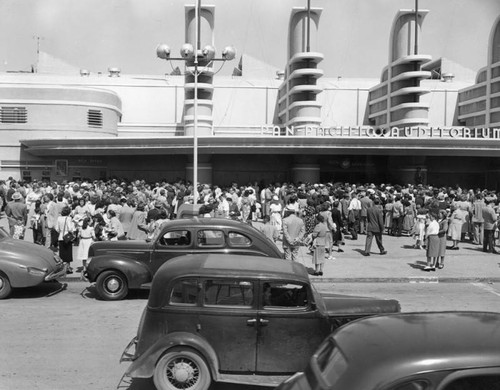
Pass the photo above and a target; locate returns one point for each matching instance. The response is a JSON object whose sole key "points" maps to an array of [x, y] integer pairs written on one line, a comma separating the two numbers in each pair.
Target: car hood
{"points": [[27, 253], [120, 246], [337, 305]]}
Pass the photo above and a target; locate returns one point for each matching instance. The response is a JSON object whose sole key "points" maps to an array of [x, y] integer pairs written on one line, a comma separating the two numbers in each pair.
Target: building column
{"points": [[305, 173]]}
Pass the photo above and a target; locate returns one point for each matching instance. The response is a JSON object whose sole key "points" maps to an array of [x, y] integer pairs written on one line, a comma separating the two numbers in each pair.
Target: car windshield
{"points": [[329, 362], [3, 233]]}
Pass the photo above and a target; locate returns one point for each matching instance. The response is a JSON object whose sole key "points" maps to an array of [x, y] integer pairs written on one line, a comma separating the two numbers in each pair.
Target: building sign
{"points": [[453, 132]]}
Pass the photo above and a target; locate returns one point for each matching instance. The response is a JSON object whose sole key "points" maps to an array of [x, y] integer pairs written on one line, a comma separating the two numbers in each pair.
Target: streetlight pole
{"points": [[188, 54]]}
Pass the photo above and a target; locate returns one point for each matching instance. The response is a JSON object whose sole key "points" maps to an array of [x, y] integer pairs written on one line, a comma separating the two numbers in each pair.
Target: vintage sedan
{"points": [[411, 351], [230, 318], [24, 264], [117, 266]]}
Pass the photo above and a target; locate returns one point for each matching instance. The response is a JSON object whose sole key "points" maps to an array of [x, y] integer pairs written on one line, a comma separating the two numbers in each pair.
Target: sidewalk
{"points": [[402, 263]]}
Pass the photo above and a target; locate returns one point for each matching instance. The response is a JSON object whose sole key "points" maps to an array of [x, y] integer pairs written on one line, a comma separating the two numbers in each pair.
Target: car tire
{"points": [[181, 368], [5, 287], [112, 286]]}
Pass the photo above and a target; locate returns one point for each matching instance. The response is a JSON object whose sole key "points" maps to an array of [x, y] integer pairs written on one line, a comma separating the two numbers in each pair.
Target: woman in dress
{"points": [[275, 210], [309, 216], [443, 228], [432, 238], [86, 234], [65, 225], [246, 206], [388, 215], [457, 219], [419, 227], [319, 238], [409, 216]]}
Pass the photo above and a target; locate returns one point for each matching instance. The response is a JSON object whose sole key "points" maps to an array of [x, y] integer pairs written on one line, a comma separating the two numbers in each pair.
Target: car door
{"points": [[290, 327], [171, 243], [227, 319]]}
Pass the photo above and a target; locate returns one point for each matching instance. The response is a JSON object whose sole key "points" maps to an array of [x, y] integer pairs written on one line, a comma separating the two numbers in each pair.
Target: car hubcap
{"points": [[113, 284], [182, 373], [1, 283]]}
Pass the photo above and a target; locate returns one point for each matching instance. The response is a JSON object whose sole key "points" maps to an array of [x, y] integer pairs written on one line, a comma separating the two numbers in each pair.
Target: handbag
{"points": [[69, 236]]}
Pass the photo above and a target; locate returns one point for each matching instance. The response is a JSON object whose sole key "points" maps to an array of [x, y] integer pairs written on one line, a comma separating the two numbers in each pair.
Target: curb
{"points": [[408, 279]]}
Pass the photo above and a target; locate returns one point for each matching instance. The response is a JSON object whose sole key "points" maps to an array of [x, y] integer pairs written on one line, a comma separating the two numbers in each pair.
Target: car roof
{"points": [[209, 221], [395, 346], [222, 265]]}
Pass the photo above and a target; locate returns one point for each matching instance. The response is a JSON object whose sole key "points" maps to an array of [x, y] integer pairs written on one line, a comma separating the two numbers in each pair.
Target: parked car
{"points": [[24, 264], [411, 351], [231, 318], [117, 266]]}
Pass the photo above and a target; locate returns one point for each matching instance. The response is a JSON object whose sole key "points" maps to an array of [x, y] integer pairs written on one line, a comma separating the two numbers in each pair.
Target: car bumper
{"points": [[60, 271], [128, 355]]}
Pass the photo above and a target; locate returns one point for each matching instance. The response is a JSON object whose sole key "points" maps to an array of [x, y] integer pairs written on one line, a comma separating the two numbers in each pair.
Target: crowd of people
{"points": [[320, 215]]}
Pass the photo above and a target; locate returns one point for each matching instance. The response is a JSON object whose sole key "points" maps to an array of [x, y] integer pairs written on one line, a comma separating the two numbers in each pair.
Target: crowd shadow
{"points": [[148, 384]]}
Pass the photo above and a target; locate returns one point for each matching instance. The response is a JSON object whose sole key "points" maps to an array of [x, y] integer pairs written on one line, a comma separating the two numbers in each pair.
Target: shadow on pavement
{"points": [[43, 290], [90, 292]]}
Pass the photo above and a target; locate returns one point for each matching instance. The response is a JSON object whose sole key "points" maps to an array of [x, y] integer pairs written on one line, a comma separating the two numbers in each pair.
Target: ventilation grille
{"points": [[13, 115], [94, 118]]}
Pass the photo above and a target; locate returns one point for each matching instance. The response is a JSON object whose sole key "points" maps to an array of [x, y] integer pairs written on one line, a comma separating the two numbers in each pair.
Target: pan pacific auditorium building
{"points": [[424, 114]]}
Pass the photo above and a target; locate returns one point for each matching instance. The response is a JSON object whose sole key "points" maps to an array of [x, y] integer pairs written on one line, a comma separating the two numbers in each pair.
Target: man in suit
{"points": [[293, 232], [366, 203], [375, 227]]}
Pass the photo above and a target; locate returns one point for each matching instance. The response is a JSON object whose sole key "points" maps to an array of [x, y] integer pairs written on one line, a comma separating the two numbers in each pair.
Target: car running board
{"points": [[259, 380]]}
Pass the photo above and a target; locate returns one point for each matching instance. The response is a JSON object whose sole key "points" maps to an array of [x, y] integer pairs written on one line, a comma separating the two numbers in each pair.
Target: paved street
{"points": [[59, 336], [71, 340]]}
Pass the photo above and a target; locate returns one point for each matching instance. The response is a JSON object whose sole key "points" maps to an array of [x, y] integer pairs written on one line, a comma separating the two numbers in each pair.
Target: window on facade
{"points": [[213, 238], [290, 295], [228, 293], [176, 238], [237, 239], [94, 118], [185, 292], [13, 115]]}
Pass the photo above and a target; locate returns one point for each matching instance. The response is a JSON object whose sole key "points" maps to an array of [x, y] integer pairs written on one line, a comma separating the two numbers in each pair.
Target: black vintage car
{"points": [[117, 266], [241, 319], [410, 351]]}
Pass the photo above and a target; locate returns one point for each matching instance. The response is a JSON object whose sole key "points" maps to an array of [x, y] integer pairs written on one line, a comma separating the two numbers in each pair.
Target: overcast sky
{"points": [[353, 34]]}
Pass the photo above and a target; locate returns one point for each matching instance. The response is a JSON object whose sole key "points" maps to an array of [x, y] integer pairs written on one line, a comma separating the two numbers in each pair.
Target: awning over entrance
{"points": [[263, 144]]}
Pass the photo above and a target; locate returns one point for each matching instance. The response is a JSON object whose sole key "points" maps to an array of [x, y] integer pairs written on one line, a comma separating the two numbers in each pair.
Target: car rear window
{"points": [[228, 293], [238, 239], [185, 292], [329, 363]]}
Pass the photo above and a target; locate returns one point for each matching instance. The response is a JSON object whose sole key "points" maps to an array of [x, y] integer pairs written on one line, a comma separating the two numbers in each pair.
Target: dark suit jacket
{"points": [[375, 219]]}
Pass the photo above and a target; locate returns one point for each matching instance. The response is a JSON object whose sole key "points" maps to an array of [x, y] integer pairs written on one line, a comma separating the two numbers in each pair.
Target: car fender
{"points": [[144, 365], [136, 272], [18, 274]]}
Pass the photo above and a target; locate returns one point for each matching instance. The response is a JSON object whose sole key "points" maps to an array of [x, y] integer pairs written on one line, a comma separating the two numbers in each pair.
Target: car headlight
{"points": [[36, 271]]}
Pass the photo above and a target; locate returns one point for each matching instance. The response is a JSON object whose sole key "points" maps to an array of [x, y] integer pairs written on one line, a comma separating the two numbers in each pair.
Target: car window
{"points": [[210, 238], [185, 292], [478, 382], [329, 363], [416, 384], [228, 293], [289, 295], [238, 239], [176, 238]]}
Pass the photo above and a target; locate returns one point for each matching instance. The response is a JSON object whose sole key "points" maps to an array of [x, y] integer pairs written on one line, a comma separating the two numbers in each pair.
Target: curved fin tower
{"points": [[205, 78], [297, 105], [395, 102]]}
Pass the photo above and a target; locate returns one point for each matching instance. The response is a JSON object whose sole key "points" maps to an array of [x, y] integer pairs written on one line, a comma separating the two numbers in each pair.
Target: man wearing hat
{"points": [[293, 232], [490, 223], [17, 214]]}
